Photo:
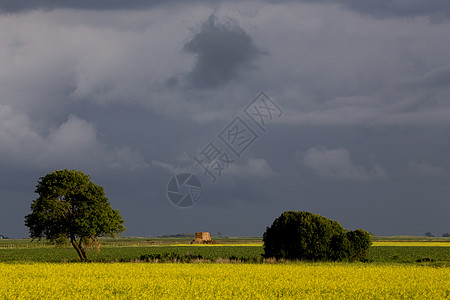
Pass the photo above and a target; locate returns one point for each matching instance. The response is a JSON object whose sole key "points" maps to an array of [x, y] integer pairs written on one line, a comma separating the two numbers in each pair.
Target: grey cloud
{"points": [[436, 78], [426, 169], [254, 167], [336, 163], [223, 49], [75, 142], [436, 9], [188, 167], [15, 6]]}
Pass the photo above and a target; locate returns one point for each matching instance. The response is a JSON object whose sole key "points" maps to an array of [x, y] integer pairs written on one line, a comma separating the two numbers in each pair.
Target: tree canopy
{"points": [[307, 236], [71, 207]]}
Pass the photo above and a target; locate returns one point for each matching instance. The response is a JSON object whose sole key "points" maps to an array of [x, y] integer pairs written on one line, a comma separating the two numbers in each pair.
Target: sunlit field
{"points": [[412, 244], [436, 251], [213, 281], [393, 269]]}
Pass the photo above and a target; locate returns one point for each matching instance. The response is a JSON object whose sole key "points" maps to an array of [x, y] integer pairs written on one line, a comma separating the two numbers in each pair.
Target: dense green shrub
{"points": [[360, 242], [306, 236]]}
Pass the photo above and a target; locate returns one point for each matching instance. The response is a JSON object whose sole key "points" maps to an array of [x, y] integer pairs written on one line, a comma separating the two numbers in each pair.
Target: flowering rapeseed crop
{"points": [[240, 281], [412, 244]]}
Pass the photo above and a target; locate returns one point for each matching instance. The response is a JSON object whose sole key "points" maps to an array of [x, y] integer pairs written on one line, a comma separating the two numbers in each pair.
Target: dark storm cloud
{"points": [[400, 8], [364, 139], [16, 6], [223, 50], [436, 9]]}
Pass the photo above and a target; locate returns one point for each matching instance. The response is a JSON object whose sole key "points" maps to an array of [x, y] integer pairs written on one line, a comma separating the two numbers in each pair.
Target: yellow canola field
{"points": [[413, 244], [222, 281]]}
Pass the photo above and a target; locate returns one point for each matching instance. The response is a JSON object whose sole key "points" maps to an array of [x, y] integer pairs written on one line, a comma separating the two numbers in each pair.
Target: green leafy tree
{"points": [[306, 236], [71, 207]]}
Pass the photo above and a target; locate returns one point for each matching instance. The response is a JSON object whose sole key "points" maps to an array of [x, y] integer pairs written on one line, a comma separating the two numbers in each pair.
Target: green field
{"points": [[132, 249]]}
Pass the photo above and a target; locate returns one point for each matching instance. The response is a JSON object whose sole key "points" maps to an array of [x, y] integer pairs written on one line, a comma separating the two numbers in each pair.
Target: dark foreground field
{"points": [[398, 250]]}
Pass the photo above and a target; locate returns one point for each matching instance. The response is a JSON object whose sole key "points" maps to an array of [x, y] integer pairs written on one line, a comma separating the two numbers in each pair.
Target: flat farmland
{"points": [[127, 269], [396, 250]]}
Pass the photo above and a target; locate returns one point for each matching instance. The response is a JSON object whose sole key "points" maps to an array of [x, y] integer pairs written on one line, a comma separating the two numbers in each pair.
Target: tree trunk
{"points": [[79, 249], [82, 251]]}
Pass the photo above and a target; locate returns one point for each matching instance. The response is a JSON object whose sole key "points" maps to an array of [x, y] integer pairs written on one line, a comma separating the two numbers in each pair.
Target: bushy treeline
{"points": [[307, 236]]}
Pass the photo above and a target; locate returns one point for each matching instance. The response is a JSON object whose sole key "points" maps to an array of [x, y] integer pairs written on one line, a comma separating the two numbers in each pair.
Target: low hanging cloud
{"points": [[175, 168], [74, 143], [336, 164], [254, 167], [223, 50]]}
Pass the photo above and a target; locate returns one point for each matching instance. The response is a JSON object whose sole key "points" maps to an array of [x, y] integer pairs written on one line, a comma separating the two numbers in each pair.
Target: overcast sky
{"points": [[130, 92]]}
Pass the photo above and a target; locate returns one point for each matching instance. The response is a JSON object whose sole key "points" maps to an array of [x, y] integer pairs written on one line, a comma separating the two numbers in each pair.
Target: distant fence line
{"points": [[107, 244], [130, 244]]}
